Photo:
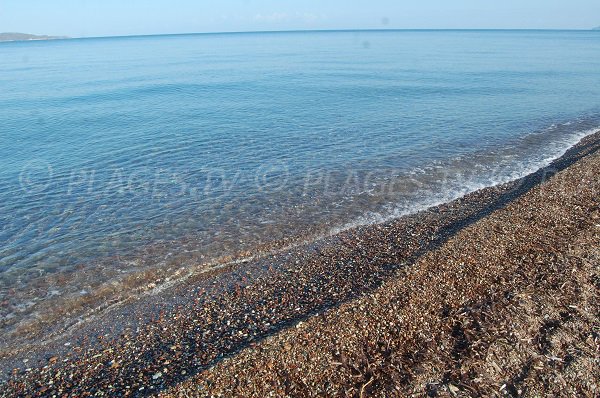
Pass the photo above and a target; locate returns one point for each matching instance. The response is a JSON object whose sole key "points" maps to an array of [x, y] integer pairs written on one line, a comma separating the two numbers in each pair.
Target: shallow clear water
{"points": [[122, 154]]}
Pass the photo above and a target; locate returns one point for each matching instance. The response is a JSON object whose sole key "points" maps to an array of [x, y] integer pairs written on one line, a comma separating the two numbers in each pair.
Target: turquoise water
{"points": [[124, 154]]}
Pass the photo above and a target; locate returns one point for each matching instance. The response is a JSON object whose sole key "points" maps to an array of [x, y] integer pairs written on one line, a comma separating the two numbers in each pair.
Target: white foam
{"points": [[463, 188]]}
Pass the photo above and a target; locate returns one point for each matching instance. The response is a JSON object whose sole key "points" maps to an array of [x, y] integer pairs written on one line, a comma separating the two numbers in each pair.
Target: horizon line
{"points": [[333, 31], [348, 30]]}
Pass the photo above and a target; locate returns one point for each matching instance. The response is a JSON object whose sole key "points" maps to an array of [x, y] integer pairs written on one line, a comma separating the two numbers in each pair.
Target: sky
{"points": [[89, 18]]}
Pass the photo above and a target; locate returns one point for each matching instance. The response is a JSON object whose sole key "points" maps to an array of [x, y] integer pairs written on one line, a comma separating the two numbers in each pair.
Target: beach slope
{"points": [[494, 294], [508, 306]]}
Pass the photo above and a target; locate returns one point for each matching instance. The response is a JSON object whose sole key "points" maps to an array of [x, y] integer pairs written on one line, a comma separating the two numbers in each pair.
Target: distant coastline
{"points": [[9, 36], [25, 37]]}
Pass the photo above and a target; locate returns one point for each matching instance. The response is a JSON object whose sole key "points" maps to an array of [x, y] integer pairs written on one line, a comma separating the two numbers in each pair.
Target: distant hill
{"points": [[598, 28], [25, 36]]}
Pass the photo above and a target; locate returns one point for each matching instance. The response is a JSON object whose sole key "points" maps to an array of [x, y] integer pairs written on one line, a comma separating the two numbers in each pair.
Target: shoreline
{"points": [[258, 299], [507, 306], [115, 281]]}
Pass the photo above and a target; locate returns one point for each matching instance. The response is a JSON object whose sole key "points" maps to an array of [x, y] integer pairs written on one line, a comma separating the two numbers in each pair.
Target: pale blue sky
{"points": [[127, 17]]}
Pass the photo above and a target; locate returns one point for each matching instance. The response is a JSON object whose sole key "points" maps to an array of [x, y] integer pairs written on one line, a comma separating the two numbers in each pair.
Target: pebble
{"points": [[199, 332]]}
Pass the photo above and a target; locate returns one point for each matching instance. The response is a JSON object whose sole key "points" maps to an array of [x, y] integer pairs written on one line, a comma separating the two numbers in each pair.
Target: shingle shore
{"points": [[410, 304], [509, 306]]}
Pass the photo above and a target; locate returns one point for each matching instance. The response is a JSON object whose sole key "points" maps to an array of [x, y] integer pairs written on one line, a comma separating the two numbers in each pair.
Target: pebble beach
{"points": [[493, 294]]}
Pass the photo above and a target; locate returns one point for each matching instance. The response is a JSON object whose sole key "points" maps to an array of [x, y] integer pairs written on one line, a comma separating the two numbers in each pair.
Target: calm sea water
{"points": [[125, 154]]}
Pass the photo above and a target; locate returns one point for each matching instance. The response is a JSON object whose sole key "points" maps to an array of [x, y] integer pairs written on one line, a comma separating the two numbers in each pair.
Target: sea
{"points": [[124, 158]]}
